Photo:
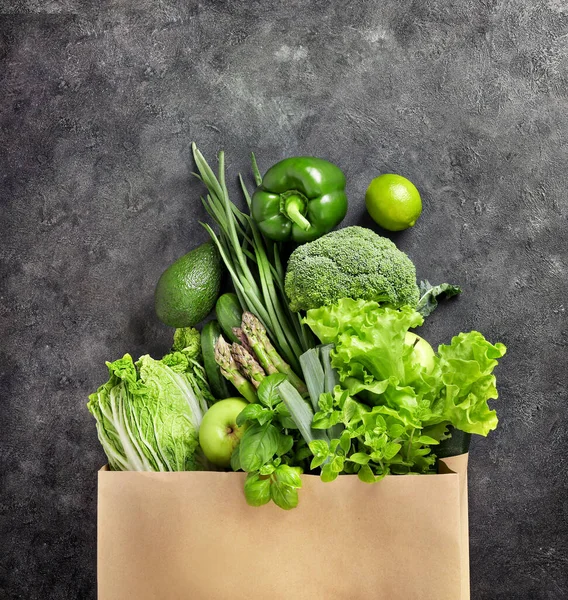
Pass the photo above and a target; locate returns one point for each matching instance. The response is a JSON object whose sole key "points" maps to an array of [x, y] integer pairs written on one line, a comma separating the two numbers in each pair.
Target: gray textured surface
{"points": [[98, 106]]}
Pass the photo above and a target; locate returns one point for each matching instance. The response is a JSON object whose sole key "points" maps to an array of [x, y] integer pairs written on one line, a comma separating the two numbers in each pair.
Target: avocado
{"points": [[187, 289]]}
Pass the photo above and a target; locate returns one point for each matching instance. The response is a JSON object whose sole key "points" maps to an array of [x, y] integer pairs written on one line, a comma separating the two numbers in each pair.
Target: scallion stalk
{"points": [[301, 413], [313, 375], [253, 262], [331, 378]]}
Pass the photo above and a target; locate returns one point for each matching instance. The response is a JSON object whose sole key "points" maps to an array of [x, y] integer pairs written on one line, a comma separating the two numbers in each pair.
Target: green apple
{"points": [[423, 352], [219, 434]]}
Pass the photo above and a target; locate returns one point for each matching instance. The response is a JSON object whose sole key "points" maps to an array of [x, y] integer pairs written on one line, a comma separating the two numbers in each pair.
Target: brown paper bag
{"points": [[191, 535]]}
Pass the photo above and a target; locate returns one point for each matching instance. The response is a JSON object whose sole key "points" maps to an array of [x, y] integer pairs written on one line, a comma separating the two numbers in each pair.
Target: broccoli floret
{"points": [[353, 262], [188, 341]]}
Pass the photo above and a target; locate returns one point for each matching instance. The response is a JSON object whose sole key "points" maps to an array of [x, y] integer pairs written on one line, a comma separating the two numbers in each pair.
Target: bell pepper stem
{"points": [[293, 208]]}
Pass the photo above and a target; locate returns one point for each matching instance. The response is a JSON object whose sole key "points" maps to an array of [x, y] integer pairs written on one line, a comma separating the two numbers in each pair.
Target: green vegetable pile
{"points": [[404, 406], [312, 365]]}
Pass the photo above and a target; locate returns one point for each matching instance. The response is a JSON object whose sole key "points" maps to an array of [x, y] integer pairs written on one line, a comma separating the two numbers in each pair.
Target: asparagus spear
{"points": [[239, 333], [230, 370], [248, 365], [267, 355], [252, 328]]}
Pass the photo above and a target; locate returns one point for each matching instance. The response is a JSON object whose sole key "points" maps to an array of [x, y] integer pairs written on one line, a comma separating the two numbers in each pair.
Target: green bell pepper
{"points": [[300, 198]]}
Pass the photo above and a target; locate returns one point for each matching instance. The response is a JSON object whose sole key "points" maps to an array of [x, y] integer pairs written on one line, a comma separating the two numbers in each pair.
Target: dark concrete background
{"points": [[99, 103]]}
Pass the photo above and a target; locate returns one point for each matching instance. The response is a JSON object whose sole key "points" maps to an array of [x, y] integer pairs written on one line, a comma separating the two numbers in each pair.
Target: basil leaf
{"points": [[267, 469], [268, 390], [283, 495], [284, 444], [266, 416], [257, 446], [257, 490], [235, 459], [249, 413], [281, 410], [289, 475], [283, 415]]}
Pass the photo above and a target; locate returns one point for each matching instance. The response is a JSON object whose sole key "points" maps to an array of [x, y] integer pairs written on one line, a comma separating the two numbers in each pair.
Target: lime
{"points": [[393, 201]]}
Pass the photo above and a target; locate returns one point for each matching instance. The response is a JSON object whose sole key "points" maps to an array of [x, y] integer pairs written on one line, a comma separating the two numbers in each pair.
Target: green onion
{"points": [[301, 413], [313, 375], [331, 377], [253, 262]]}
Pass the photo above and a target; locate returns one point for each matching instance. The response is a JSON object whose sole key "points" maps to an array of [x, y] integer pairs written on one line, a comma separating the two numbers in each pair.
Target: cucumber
{"points": [[229, 315], [218, 384]]}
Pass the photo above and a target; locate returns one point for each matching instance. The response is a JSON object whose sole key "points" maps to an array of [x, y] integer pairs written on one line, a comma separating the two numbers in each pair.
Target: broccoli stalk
{"points": [[267, 356], [230, 370]]}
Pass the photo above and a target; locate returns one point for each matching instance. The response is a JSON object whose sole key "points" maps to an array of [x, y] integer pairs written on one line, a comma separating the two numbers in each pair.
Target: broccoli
{"points": [[188, 341], [353, 262]]}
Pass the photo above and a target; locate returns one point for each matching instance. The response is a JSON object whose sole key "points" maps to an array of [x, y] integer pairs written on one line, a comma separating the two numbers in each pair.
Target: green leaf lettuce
{"points": [[374, 362]]}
